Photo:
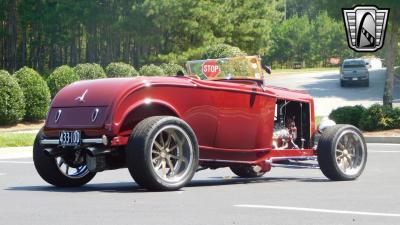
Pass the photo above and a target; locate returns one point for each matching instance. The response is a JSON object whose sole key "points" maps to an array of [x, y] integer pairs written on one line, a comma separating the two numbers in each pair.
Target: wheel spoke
{"points": [[171, 166], [341, 146], [164, 168], [67, 169], [158, 145], [156, 159], [60, 162], [162, 140], [168, 142], [155, 152]]}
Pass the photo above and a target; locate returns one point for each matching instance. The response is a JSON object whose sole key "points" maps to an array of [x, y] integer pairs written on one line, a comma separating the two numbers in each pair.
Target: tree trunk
{"points": [[391, 59], [126, 48], [91, 45], [23, 46], [11, 40]]}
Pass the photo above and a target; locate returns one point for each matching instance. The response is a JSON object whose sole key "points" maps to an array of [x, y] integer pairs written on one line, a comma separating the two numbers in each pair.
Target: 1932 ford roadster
{"points": [[163, 129]]}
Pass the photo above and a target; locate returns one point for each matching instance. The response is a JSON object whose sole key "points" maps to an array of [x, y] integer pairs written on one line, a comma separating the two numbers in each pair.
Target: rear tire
{"points": [[246, 171], [162, 153], [48, 169], [342, 152]]}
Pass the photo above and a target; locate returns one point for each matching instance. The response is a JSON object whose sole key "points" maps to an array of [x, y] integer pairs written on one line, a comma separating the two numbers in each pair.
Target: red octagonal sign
{"points": [[210, 68]]}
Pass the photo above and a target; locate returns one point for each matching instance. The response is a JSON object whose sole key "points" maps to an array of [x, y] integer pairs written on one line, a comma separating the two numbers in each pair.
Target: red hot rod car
{"points": [[164, 129]]}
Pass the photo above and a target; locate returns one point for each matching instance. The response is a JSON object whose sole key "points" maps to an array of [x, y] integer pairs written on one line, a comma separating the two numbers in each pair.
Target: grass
{"points": [[16, 139], [274, 71]]}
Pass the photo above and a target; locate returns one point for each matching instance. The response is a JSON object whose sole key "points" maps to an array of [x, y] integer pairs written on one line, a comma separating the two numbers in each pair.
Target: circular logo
{"points": [[210, 68]]}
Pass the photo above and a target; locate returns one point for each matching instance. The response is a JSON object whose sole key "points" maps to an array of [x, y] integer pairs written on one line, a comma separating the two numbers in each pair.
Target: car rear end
{"points": [[354, 71]]}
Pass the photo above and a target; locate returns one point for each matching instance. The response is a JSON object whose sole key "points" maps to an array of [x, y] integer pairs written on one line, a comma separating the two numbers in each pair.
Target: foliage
{"points": [[171, 69], [61, 77], [12, 100], [151, 70], [222, 51], [379, 117], [89, 71], [120, 69], [348, 115], [4, 73], [36, 93]]}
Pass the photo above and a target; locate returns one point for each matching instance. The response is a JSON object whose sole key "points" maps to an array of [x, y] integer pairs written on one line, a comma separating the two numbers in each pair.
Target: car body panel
{"points": [[233, 119]]}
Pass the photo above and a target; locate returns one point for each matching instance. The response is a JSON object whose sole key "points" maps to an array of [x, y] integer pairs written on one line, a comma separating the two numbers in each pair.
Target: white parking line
{"points": [[15, 162], [319, 210], [384, 151], [390, 144]]}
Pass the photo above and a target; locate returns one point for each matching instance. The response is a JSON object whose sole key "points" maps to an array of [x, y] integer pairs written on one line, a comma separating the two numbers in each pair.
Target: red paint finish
{"points": [[232, 120]]}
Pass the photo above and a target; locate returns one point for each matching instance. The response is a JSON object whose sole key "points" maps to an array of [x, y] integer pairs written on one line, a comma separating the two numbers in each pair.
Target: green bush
{"points": [[348, 115], [120, 69], [151, 70], [12, 101], [89, 71], [379, 117], [4, 72], [171, 69], [61, 77], [222, 51], [36, 93]]}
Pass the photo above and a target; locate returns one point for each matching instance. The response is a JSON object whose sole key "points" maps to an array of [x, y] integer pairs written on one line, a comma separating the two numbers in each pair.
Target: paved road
{"points": [[283, 196], [325, 88]]}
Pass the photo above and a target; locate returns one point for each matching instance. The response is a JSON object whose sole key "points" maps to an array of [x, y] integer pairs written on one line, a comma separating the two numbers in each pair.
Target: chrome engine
{"points": [[284, 135]]}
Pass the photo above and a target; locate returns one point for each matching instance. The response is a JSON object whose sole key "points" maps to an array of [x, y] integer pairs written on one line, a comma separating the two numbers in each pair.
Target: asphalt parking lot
{"points": [[283, 196], [324, 86]]}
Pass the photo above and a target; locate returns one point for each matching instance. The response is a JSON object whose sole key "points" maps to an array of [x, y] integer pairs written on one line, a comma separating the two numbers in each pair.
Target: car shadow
{"points": [[131, 187]]}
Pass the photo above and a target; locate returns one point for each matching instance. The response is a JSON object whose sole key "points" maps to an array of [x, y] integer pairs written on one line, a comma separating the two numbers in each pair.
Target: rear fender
{"points": [[143, 109]]}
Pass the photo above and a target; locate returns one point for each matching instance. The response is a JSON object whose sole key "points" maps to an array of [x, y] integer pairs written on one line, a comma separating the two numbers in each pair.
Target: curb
{"points": [[389, 140]]}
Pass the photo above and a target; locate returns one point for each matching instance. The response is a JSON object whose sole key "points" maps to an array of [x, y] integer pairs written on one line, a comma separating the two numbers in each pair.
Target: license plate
{"points": [[70, 138], [355, 78]]}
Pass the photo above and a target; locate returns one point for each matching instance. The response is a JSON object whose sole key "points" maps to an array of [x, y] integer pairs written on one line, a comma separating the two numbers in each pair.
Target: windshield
{"points": [[226, 68]]}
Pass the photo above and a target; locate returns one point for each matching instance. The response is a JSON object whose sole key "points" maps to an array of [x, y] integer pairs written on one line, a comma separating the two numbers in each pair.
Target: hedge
{"points": [[89, 71], [12, 100], [61, 77], [348, 115], [171, 69], [222, 51], [120, 69], [376, 117], [151, 70], [379, 117], [36, 93]]}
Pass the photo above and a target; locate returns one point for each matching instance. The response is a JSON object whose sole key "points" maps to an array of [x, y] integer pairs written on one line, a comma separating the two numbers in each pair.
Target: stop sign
{"points": [[210, 68]]}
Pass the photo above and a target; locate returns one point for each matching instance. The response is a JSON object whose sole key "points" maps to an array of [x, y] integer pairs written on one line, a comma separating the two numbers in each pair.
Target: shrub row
{"points": [[376, 117]]}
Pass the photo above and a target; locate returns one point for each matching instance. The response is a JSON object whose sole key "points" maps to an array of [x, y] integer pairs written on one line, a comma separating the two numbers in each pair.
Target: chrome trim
{"points": [[95, 113], [84, 141], [50, 142], [58, 115]]}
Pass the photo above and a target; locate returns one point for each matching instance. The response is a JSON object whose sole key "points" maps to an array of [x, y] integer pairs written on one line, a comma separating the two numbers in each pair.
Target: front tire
{"points": [[342, 152], [58, 171], [162, 153]]}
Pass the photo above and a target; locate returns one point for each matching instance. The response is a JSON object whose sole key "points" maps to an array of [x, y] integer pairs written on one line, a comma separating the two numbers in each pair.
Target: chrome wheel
{"points": [[172, 154], [69, 171], [350, 153]]}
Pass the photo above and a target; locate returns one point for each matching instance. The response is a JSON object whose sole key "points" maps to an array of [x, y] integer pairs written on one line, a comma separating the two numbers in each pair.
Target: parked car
{"points": [[164, 129], [354, 71]]}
